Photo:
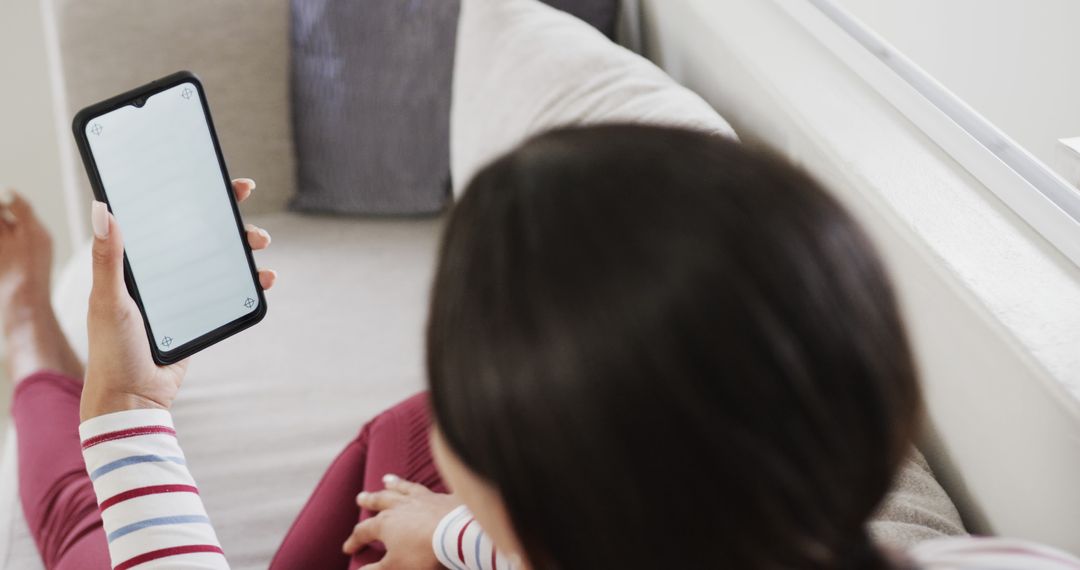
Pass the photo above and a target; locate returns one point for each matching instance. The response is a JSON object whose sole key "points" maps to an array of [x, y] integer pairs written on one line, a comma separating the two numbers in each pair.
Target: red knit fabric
{"points": [[57, 497], [395, 442]]}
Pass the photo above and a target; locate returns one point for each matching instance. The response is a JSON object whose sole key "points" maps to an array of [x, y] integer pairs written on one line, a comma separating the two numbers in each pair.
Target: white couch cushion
{"points": [[523, 67]]}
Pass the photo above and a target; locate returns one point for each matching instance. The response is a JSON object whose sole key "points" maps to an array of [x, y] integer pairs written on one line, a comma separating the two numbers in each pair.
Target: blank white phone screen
{"points": [[161, 175]]}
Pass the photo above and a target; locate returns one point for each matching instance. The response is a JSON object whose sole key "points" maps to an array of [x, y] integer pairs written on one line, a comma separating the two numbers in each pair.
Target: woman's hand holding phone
{"points": [[120, 373]]}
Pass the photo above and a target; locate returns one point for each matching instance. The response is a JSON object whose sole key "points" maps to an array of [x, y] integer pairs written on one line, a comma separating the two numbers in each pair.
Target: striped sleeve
{"points": [[149, 503], [460, 544]]}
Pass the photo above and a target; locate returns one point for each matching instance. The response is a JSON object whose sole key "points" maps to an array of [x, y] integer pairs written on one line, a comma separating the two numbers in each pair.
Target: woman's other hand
{"points": [[120, 373], [408, 515]]}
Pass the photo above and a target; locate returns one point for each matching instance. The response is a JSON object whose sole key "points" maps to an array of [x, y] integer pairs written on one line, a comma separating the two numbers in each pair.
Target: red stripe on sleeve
{"points": [[461, 541], [143, 491], [165, 552], [494, 563], [126, 433]]}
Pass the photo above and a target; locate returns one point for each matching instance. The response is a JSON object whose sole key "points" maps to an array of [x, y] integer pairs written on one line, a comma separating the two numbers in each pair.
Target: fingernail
{"points": [[265, 234], [249, 181], [389, 479], [362, 496], [99, 219], [250, 227]]}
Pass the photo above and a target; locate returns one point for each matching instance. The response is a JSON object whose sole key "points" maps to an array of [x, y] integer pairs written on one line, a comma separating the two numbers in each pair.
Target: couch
{"points": [[343, 336]]}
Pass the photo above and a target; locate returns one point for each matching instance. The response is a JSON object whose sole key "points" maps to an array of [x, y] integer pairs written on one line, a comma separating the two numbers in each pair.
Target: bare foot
{"points": [[31, 333]]}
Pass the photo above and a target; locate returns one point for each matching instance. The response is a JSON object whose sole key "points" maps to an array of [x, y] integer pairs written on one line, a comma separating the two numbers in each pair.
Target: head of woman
{"points": [[654, 348]]}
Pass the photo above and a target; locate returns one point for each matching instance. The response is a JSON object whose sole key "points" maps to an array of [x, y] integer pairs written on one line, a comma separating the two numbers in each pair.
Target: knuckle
{"points": [[101, 255]]}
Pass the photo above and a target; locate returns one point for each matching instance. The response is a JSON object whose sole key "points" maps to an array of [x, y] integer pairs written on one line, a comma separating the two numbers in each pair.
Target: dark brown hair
{"points": [[668, 350]]}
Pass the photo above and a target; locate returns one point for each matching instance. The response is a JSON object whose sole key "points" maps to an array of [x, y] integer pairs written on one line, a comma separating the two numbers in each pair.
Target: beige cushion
{"points": [[523, 67], [240, 49]]}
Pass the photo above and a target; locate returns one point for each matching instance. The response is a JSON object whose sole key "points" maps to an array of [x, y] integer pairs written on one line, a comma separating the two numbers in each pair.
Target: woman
{"points": [[647, 348]]}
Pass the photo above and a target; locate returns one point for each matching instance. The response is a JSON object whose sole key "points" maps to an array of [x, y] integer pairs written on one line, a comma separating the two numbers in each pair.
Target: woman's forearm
{"points": [[149, 502]]}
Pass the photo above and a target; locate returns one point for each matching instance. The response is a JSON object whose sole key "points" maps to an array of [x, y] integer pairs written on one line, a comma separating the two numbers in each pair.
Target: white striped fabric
{"points": [[460, 544], [149, 502]]}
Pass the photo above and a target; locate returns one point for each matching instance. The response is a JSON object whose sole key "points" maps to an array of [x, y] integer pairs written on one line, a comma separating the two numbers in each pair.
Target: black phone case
{"points": [[82, 119]]}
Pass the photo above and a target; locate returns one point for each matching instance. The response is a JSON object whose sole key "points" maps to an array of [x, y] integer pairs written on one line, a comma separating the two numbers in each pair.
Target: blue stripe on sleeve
{"points": [[133, 460], [479, 541], [160, 521]]}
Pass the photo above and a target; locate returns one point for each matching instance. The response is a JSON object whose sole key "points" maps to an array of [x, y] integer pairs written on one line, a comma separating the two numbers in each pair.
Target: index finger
{"points": [[379, 500], [363, 534], [242, 188]]}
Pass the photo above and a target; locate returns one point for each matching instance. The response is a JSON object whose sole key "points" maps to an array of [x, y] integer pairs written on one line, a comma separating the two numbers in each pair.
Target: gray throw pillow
{"points": [[602, 14], [371, 90]]}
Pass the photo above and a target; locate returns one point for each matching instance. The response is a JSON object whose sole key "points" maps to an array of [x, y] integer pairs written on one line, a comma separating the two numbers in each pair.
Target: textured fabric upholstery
{"points": [[371, 84], [371, 89]]}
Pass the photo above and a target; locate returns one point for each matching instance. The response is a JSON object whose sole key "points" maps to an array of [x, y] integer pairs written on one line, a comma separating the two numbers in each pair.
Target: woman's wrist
{"points": [[93, 405]]}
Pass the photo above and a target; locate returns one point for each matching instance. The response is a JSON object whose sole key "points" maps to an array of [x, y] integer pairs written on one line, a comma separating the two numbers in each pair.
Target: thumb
{"points": [[108, 253]]}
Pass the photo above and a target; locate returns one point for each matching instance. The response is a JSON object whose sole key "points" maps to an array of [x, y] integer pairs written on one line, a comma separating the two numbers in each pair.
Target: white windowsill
{"points": [[1022, 279], [1011, 270], [1070, 161]]}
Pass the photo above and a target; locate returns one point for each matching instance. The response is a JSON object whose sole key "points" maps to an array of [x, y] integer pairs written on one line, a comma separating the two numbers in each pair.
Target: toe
{"points": [[7, 217], [20, 208]]}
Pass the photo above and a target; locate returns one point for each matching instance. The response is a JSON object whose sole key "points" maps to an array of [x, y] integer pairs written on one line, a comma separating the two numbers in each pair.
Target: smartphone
{"points": [[153, 157]]}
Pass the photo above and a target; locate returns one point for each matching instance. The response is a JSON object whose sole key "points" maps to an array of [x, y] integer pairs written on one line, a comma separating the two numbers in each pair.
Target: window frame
{"points": [[1047, 202]]}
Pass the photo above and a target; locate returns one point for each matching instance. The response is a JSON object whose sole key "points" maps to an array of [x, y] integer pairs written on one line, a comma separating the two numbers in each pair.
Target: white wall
{"points": [[29, 148], [1014, 61]]}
